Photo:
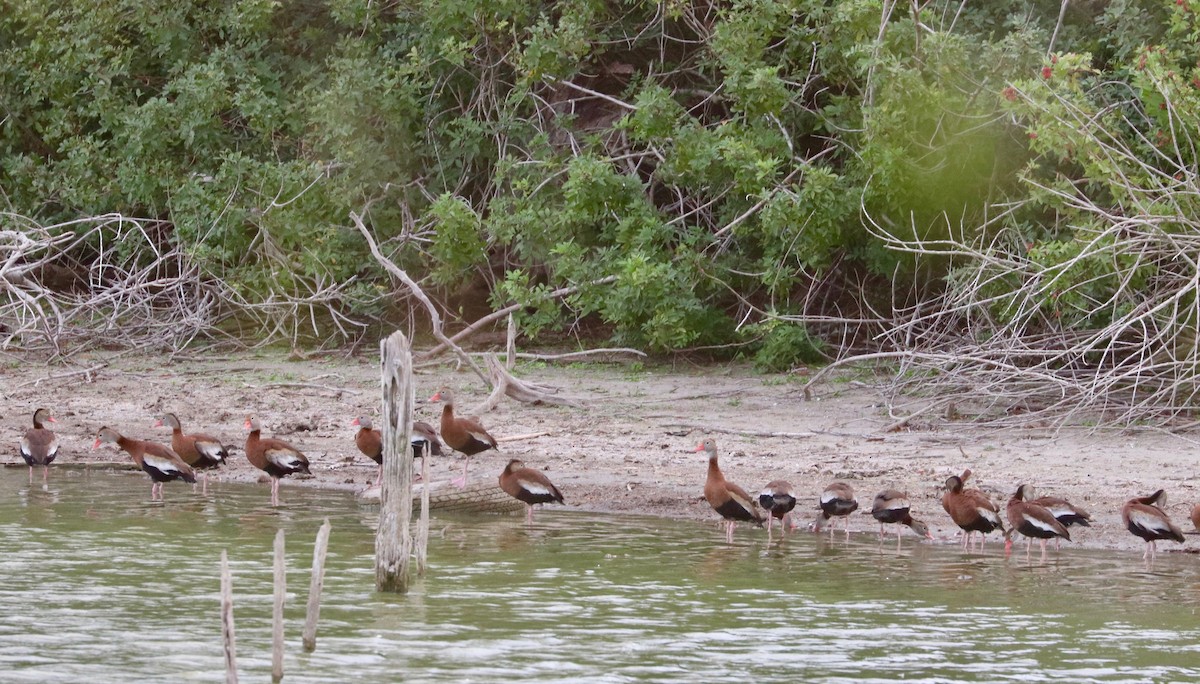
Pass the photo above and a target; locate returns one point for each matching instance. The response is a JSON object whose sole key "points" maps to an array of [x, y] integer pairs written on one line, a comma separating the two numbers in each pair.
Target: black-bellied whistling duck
{"points": [[528, 485], [777, 499], [275, 457], [370, 441], [202, 452], [1032, 520], [1143, 517], [39, 446], [1065, 512], [729, 500], [156, 460], [970, 509], [837, 501], [465, 435], [892, 507], [425, 440]]}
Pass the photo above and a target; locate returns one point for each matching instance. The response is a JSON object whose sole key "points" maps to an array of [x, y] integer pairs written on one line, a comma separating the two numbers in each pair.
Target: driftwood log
{"points": [[505, 384], [475, 497]]}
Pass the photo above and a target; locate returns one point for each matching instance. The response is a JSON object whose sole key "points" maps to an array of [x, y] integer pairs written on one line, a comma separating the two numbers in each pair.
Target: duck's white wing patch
{"points": [[283, 458], [742, 501], [211, 450], [1060, 510], [988, 514], [535, 488], [161, 464], [1148, 521], [481, 436], [25, 452], [1040, 524], [895, 504], [828, 496]]}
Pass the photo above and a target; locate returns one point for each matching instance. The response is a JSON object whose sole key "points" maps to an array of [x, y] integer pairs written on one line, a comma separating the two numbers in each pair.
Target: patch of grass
{"points": [[280, 376]]}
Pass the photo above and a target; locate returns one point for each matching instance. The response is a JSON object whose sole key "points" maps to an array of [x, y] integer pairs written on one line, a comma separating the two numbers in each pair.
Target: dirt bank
{"points": [[630, 449]]}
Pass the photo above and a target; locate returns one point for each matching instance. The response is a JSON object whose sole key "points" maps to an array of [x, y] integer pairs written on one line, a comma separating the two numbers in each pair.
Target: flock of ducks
{"points": [[1041, 518], [192, 452]]}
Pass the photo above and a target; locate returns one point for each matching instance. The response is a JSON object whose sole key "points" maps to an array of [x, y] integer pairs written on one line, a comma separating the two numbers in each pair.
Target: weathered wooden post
{"points": [[277, 614], [231, 676], [393, 539], [315, 586]]}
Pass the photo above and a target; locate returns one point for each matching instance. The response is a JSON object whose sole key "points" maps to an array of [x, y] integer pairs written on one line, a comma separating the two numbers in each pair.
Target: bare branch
{"points": [[435, 318], [501, 313]]}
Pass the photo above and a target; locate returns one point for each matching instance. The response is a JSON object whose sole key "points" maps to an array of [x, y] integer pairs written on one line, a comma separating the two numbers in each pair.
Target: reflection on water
{"points": [[100, 584]]}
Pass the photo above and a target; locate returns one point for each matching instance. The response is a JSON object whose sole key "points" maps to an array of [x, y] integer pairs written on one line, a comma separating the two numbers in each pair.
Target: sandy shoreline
{"points": [[630, 448]]}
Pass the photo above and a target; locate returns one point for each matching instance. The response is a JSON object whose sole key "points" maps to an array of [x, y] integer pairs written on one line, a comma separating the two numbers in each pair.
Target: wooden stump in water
{"points": [[277, 613], [231, 675], [315, 586], [393, 538]]}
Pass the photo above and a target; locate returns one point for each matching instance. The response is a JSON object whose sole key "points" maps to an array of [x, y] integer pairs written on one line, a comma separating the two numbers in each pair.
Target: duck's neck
{"points": [[714, 470]]}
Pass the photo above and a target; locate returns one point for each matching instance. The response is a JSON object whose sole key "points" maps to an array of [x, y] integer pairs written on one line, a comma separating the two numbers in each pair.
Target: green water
{"points": [[97, 584]]}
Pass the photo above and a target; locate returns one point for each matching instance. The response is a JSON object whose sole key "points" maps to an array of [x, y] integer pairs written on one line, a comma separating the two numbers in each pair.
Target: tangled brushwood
{"points": [[119, 282], [1094, 320]]}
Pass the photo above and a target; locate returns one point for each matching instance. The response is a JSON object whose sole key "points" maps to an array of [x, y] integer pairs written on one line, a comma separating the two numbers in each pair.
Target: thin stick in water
{"points": [[231, 676], [315, 586], [277, 615]]}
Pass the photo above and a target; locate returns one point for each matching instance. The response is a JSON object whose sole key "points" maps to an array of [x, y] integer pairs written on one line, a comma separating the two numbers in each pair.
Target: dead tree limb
{"points": [[435, 318], [304, 385], [122, 281], [747, 432], [524, 391], [510, 344], [501, 313], [571, 356], [522, 437]]}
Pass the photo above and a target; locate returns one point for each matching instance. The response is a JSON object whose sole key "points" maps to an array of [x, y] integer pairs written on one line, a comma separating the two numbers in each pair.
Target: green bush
{"points": [[719, 162]]}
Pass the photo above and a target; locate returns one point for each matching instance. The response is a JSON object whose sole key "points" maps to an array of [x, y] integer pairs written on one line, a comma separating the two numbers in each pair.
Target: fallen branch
{"points": [[501, 313], [568, 356], [736, 431], [848, 360], [435, 319], [785, 435], [521, 438], [688, 397], [304, 385], [60, 376], [524, 391]]}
